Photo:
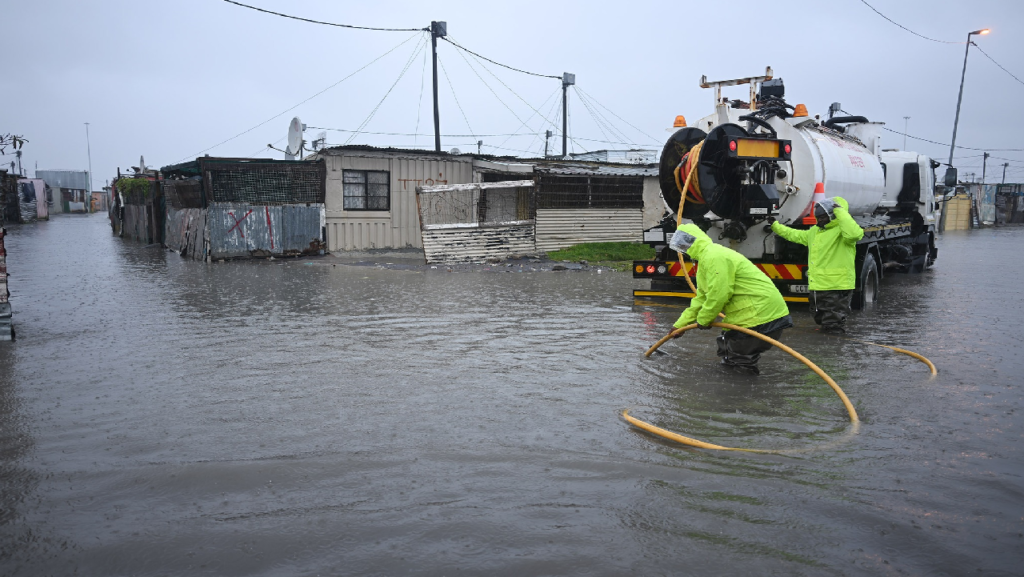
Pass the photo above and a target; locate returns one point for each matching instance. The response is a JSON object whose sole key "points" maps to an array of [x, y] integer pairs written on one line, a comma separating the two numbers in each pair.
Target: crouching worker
{"points": [[728, 283], [831, 251]]}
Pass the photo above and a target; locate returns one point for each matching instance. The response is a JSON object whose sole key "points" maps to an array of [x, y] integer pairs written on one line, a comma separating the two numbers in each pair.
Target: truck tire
{"points": [[868, 285]]}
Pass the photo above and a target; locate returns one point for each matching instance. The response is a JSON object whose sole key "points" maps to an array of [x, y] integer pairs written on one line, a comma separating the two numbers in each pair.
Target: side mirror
{"points": [[950, 178]]}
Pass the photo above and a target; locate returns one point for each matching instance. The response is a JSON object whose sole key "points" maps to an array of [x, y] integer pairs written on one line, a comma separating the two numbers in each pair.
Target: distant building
{"points": [[619, 156], [69, 189]]}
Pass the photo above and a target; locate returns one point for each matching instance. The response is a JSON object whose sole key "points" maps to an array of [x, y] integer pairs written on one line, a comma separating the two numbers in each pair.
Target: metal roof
{"points": [[595, 168]]}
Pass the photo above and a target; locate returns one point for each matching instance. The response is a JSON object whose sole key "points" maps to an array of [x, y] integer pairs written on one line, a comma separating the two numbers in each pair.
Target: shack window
{"points": [[367, 189]]}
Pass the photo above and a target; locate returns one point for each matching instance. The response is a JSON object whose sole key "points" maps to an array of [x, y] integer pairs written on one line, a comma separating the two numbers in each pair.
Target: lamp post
{"points": [[952, 145]]}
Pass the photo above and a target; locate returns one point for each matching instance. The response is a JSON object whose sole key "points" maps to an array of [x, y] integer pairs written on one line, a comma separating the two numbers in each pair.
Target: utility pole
{"points": [[547, 136], [88, 151], [984, 163], [1005, 164], [437, 30], [905, 119], [479, 145], [567, 81]]}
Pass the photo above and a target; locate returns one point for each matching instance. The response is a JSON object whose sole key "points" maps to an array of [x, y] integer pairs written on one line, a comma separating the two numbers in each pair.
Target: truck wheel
{"points": [[867, 292]]}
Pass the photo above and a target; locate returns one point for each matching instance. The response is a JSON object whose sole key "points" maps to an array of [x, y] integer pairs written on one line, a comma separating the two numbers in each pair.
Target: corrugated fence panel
{"points": [[241, 230], [562, 228], [185, 231], [300, 229], [136, 223], [454, 245]]}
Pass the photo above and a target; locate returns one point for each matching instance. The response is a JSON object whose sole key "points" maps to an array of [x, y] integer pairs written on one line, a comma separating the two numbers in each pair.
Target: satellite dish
{"points": [[294, 137], [455, 151]]}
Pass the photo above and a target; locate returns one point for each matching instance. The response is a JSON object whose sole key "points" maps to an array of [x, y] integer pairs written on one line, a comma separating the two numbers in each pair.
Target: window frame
{"points": [[366, 189]]}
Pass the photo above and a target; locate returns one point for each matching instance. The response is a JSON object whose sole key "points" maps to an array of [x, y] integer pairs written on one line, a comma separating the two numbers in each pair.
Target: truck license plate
{"points": [[798, 288]]}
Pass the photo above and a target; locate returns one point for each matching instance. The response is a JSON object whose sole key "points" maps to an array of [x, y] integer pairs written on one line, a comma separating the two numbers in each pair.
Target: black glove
{"points": [[704, 327], [771, 220]]}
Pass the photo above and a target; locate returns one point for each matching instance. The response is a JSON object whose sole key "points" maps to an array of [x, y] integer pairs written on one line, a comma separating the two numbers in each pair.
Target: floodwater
{"points": [[160, 416]]}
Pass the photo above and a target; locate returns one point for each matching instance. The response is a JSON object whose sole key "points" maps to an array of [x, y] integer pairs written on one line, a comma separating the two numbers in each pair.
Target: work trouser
{"points": [[831, 308], [741, 349]]}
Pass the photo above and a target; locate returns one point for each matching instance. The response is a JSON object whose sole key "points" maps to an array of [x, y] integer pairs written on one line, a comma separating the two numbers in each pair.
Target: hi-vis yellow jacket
{"points": [[831, 251], [729, 283]]}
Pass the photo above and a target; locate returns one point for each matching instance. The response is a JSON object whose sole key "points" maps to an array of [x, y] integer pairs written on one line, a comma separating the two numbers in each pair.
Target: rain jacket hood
{"points": [[831, 251], [729, 283]]}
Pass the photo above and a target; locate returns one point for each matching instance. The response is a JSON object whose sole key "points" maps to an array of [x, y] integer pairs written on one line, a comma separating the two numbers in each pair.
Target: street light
{"points": [[959, 98]]}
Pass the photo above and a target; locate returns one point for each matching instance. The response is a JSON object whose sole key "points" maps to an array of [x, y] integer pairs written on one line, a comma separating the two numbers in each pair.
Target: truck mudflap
{"points": [[667, 279]]}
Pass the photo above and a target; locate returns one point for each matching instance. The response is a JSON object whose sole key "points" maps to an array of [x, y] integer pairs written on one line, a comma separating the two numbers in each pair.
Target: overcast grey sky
{"points": [[171, 79]]}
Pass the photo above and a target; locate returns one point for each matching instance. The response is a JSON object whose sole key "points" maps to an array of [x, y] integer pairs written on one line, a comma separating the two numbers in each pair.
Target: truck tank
{"points": [[752, 161]]}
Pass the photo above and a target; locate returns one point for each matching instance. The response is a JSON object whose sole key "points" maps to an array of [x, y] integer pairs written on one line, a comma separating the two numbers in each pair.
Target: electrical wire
{"points": [[957, 146], [419, 105], [594, 100], [411, 133], [460, 47], [524, 123], [421, 46], [616, 132], [907, 29], [942, 41], [276, 116], [507, 87], [455, 96], [327, 23], [996, 63]]}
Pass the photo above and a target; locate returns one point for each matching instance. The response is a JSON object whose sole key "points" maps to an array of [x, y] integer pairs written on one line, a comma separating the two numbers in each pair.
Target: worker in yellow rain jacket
{"points": [[832, 249], [728, 283]]}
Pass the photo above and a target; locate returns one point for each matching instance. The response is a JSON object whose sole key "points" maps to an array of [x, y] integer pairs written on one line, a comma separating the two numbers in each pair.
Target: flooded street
{"points": [[160, 416]]}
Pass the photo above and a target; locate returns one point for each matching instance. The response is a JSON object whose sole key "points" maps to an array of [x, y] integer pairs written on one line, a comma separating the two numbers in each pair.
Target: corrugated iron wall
{"points": [[562, 228], [186, 232], [399, 227], [243, 230], [452, 245], [137, 219]]}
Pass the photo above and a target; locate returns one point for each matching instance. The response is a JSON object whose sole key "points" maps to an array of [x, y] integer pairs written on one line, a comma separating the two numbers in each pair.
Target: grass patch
{"points": [[614, 255]]}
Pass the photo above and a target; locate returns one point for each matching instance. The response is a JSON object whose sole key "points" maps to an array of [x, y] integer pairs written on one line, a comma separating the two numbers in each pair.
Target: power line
{"points": [[908, 29], [943, 41], [594, 100], [303, 102], [414, 133], [416, 52], [455, 96], [453, 43], [957, 146], [327, 23], [996, 63]]}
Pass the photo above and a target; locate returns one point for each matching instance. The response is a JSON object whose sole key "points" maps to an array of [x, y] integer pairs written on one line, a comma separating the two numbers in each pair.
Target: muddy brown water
{"points": [[165, 417]]}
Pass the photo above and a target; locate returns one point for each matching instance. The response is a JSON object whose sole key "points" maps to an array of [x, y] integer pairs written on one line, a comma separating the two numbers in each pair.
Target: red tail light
{"points": [[732, 145], [788, 149], [650, 269]]}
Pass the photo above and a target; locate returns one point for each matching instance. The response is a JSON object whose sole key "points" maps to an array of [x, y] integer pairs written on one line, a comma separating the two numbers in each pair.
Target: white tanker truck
{"points": [[760, 159]]}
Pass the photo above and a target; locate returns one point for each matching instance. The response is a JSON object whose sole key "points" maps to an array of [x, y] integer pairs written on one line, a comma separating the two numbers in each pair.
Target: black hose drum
{"points": [[678, 145], [737, 172]]}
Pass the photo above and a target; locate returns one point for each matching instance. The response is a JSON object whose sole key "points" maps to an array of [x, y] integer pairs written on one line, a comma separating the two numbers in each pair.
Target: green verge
{"points": [[614, 255]]}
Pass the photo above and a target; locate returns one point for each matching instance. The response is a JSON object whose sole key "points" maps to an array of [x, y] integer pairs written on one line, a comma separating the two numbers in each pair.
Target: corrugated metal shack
{"points": [[371, 200], [371, 193], [226, 208], [70, 190], [9, 210]]}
